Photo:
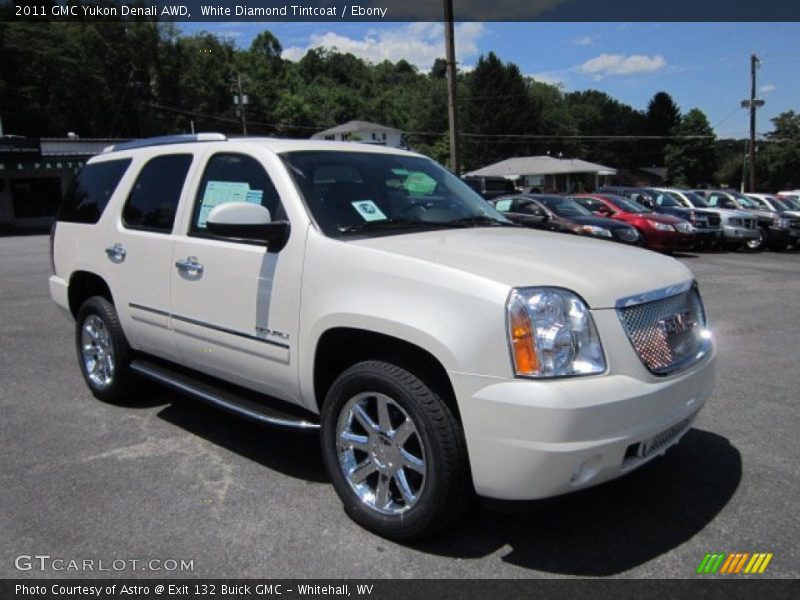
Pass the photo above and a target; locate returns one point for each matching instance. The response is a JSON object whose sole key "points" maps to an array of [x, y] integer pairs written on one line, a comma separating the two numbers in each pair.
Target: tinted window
{"points": [[91, 190], [154, 197], [235, 178]]}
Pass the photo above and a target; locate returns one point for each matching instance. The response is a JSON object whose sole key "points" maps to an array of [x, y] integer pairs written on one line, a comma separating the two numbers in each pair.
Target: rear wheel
{"points": [[394, 451], [103, 352]]}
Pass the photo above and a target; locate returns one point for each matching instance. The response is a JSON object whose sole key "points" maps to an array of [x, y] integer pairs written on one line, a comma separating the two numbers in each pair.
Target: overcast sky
{"points": [[703, 65]]}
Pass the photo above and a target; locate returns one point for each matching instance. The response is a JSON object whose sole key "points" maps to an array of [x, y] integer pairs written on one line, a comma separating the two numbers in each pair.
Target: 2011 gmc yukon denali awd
{"points": [[369, 293]]}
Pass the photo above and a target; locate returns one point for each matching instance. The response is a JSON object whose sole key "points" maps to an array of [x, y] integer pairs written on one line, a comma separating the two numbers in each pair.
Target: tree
{"points": [[662, 116], [692, 161], [497, 102]]}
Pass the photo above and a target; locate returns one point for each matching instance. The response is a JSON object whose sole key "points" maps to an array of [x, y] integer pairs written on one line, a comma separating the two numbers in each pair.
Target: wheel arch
{"points": [[341, 347], [82, 286]]}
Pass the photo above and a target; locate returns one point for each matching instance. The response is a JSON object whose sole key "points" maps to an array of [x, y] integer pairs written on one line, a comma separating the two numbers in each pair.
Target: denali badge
{"points": [[677, 323]]}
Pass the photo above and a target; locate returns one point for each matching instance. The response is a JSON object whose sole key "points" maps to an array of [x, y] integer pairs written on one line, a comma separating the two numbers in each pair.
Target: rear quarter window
{"points": [[91, 190]]}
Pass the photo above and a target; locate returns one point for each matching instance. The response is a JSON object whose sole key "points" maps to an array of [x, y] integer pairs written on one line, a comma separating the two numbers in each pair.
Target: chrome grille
{"points": [[667, 333]]}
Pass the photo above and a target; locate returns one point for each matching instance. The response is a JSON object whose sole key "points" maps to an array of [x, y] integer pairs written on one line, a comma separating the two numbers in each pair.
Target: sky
{"points": [[701, 65]]}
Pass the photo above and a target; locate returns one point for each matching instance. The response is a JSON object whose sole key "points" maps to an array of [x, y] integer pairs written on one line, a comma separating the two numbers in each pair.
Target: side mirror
{"points": [[246, 222]]}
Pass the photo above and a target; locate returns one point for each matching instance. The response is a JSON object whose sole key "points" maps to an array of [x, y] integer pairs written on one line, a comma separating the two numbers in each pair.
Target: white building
{"points": [[362, 131], [549, 174]]}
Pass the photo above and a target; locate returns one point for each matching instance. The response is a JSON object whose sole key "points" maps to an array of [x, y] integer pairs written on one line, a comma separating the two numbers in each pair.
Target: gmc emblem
{"points": [[677, 323]]}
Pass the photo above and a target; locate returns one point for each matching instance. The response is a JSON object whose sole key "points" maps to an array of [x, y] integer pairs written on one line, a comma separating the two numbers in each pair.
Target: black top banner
{"points": [[400, 10]]}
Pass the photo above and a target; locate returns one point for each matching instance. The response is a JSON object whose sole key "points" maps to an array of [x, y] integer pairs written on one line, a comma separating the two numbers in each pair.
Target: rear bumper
{"points": [[59, 292], [535, 439]]}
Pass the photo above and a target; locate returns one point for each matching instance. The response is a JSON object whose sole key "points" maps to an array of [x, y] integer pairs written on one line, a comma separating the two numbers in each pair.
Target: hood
{"points": [[735, 212], [662, 218], [601, 272]]}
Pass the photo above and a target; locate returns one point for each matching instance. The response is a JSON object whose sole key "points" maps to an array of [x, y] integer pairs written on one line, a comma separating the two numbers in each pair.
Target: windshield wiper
{"points": [[388, 226], [478, 221]]}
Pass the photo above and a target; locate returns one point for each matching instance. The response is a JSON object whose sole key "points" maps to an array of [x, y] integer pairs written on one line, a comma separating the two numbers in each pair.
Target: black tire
{"points": [[123, 381], [447, 489]]}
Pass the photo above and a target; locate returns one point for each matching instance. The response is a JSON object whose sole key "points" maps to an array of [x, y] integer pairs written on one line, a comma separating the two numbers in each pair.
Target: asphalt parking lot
{"points": [[171, 479]]}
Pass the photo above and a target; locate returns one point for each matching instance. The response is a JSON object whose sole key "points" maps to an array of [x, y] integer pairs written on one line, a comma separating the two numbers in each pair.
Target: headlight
{"points": [[594, 230], [552, 334], [684, 227], [781, 223], [662, 226]]}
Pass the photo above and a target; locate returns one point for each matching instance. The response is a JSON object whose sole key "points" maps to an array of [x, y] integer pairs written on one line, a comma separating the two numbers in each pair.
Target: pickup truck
{"points": [[370, 296]]}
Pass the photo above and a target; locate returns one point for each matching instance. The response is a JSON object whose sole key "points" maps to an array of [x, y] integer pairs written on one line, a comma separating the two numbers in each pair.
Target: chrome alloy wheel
{"points": [[97, 351], [758, 242], [380, 453]]}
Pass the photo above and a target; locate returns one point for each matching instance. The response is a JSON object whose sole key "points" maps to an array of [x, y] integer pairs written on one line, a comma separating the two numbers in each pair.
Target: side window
{"points": [[91, 190], [154, 197], [234, 178], [503, 205]]}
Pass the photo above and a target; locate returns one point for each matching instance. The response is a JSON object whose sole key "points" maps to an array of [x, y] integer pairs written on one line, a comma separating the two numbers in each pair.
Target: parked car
{"points": [[657, 232], [491, 187], [366, 293], [706, 223], [782, 210], [739, 227], [559, 213], [774, 231]]}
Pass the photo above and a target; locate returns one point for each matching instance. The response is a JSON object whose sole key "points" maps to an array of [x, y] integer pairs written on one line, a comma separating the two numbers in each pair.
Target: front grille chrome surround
{"points": [[666, 327]]}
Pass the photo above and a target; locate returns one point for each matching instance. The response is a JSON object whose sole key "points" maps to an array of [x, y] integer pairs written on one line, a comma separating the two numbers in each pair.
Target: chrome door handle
{"points": [[116, 253], [189, 264]]}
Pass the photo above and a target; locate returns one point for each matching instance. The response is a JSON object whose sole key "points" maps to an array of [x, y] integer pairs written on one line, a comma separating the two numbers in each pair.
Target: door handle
{"points": [[116, 253], [189, 264]]}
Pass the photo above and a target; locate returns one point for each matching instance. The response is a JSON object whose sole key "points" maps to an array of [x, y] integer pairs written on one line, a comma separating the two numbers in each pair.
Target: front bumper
{"points": [[739, 235], [531, 439], [780, 236]]}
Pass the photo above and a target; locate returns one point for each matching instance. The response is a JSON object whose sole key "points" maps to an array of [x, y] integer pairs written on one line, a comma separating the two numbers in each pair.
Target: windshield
{"points": [[627, 205], [759, 203], [696, 200], [371, 193], [746, 202], [793, 202], [564, 207]]}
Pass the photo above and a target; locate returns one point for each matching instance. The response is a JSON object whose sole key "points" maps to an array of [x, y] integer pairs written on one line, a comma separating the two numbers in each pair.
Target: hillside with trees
{"points": [[140, 78]]}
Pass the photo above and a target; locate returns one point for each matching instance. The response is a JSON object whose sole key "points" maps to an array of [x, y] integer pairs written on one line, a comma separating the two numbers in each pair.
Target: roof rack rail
{"points": [[186, 138]]}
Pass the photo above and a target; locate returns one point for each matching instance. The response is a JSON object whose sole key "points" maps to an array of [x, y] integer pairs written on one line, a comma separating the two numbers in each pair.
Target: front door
{"points": [[236, 305]]}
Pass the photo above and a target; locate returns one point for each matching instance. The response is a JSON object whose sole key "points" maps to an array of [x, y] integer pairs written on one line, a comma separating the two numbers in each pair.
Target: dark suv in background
{"points": [[775, 230], [491, 187]]}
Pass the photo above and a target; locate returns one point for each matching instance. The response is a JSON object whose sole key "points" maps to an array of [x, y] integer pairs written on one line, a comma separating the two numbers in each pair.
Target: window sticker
{"points": [[368, 210], [221, 192], [254, 196], [420, 184]]}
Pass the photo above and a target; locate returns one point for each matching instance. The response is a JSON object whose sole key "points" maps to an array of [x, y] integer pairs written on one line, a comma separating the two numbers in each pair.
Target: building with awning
{"points": [[549, 174], [35, 174]]}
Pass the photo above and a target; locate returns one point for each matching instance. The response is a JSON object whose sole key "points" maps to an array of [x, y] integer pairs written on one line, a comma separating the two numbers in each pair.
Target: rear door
{"points": [[235, 305], [140, 251]]}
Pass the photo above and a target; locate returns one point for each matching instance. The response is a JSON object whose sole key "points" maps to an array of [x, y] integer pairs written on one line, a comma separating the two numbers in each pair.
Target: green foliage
{"points": [[692, 162]]}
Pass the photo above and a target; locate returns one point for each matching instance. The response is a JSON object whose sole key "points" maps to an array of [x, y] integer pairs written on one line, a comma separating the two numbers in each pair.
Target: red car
{"points": [[658, 232]]}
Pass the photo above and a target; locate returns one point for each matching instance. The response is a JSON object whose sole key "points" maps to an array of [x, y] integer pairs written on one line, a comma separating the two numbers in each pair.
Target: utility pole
{"points": [[452, 107], [752, 104], [241, 101]]}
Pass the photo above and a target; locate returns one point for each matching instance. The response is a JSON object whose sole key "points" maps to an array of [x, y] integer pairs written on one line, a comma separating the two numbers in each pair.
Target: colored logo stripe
{"points": [[721, 562]]}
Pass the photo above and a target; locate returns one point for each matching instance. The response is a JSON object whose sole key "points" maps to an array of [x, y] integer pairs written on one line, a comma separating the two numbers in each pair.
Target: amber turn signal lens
{"points": [[525, 360]]}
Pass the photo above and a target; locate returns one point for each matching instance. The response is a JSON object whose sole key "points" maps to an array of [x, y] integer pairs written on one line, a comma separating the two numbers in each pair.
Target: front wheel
{"points": [[103, 352], [395, 451], [757, 244]]}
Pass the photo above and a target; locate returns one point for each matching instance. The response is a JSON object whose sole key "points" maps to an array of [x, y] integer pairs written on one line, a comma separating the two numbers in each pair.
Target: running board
{"points": [[221, 398]]}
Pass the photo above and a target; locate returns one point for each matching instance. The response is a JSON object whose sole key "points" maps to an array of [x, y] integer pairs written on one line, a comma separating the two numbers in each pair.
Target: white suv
{"points": [[369, 293]]}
